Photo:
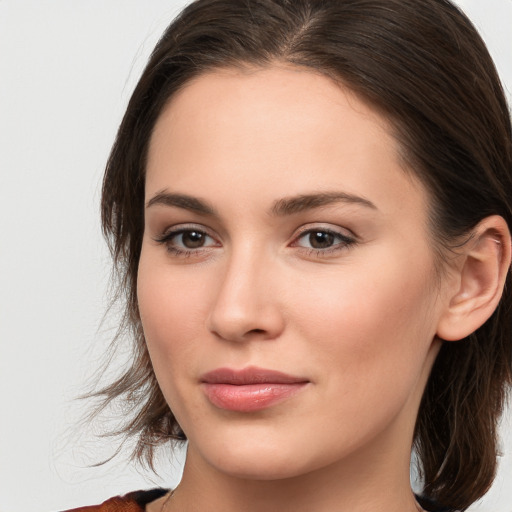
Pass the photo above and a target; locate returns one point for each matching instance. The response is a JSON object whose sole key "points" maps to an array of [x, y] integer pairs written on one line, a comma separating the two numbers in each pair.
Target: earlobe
{"points": [[485, 263]]}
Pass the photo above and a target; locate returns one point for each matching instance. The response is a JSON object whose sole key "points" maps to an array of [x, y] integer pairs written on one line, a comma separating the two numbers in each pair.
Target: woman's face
{"points": [[286, 281]]}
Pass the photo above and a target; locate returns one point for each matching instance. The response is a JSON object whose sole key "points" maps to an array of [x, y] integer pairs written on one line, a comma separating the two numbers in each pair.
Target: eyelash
{"points": [[167, 239], [343, 241]]}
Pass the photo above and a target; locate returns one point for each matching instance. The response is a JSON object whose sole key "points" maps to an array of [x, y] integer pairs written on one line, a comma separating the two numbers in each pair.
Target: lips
{"points": [[250, 389]]}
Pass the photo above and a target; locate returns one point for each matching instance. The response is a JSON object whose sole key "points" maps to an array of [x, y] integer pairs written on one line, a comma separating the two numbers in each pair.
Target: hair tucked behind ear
{"points": [[422, 64]]}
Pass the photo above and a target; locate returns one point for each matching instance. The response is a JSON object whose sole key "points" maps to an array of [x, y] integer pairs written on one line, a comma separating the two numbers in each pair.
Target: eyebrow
{"points": [[182, 201], [282, 207], [297, 204]]}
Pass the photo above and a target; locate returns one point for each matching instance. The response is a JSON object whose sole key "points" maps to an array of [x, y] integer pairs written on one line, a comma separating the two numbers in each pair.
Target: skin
{"points": [[357, 320]]}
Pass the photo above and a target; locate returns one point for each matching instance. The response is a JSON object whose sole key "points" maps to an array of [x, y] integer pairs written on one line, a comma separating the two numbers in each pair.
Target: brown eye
{"points": [[192, 239], [321, 239], [186, 240]]}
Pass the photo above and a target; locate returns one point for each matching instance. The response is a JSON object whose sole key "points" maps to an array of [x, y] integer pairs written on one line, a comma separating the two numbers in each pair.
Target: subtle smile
{"points": [[251, 389]]}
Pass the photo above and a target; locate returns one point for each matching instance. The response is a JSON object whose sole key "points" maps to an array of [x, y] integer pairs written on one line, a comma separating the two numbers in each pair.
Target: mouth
{"points": [[251, 389]]}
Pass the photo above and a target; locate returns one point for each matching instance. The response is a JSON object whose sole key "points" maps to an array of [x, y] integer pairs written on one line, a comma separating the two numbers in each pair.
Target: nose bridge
{"points": [[245, 305]]}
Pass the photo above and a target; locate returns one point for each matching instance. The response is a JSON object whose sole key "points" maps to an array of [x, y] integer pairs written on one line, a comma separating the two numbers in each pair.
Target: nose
{"points": [[246, 305]]}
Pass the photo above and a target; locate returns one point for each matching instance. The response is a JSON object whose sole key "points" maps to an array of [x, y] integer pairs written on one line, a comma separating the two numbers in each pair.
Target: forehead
{"points": [[266, 130], [252, 101]]}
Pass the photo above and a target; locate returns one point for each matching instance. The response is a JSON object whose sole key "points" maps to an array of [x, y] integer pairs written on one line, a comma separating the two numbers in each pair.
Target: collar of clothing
{"points": [[137, 501]]}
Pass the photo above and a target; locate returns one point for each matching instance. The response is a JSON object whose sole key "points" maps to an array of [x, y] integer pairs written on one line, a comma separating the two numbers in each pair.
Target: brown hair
{"points": [[422, 64]]}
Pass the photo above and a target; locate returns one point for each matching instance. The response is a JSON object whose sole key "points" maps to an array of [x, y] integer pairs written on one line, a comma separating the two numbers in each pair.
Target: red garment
{"points": [[131, 502]]}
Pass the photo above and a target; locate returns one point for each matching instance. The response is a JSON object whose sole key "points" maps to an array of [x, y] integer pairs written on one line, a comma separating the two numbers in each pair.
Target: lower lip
{"points": [[250, 397]]}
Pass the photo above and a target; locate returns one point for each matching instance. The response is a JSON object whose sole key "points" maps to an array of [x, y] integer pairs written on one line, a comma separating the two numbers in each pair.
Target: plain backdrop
{"points": [[67, 68]]}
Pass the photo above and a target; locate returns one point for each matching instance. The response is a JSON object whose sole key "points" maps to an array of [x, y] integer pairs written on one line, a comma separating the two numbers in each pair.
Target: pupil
{"points": [[321, 240], [193, 239]]}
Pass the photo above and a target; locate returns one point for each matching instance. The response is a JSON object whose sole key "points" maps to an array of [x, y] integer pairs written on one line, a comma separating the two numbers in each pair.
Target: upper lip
{"points": [[249, 375]]}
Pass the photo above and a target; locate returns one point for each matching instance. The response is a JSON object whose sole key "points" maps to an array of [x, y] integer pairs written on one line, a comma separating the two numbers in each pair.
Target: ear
{"points": [[483, 267]]}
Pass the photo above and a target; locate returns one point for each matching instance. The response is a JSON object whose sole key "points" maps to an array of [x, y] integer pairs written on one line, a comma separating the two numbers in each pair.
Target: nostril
{"points": [[256, 331]]}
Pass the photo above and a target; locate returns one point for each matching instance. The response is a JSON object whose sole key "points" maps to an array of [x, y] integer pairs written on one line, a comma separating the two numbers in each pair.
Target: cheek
{"points": [[173, 316], [172, 312], [373, 329]]}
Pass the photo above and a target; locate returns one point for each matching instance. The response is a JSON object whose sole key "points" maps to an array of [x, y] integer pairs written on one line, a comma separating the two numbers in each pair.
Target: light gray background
{"points": [[67, 68]]}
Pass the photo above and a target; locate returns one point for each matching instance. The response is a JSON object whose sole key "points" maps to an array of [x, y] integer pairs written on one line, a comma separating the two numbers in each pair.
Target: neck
{"points": [[371, 482]]}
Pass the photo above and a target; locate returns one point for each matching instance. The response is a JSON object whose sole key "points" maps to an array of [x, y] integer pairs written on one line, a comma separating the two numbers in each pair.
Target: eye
{"points": [[191, 239], [186, 240], [322, 240]]}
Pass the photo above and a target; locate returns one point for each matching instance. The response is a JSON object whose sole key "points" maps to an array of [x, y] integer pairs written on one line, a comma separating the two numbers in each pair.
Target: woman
{"points": [[309, 205]]}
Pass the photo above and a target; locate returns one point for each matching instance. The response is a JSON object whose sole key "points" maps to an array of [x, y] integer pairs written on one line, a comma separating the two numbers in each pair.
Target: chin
{"points": [[260, 467], [261, 458]]}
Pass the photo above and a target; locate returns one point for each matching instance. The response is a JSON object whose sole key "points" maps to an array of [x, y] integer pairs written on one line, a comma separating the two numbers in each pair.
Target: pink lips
{"points": [[250, 389]]}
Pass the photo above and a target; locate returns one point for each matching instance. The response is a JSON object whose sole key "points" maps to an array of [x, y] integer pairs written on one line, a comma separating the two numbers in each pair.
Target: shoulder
{"points": [[131, 502]]}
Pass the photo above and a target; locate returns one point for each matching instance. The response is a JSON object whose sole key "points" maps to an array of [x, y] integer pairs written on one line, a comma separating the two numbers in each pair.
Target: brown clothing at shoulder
{"points": [[132, 502]]}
